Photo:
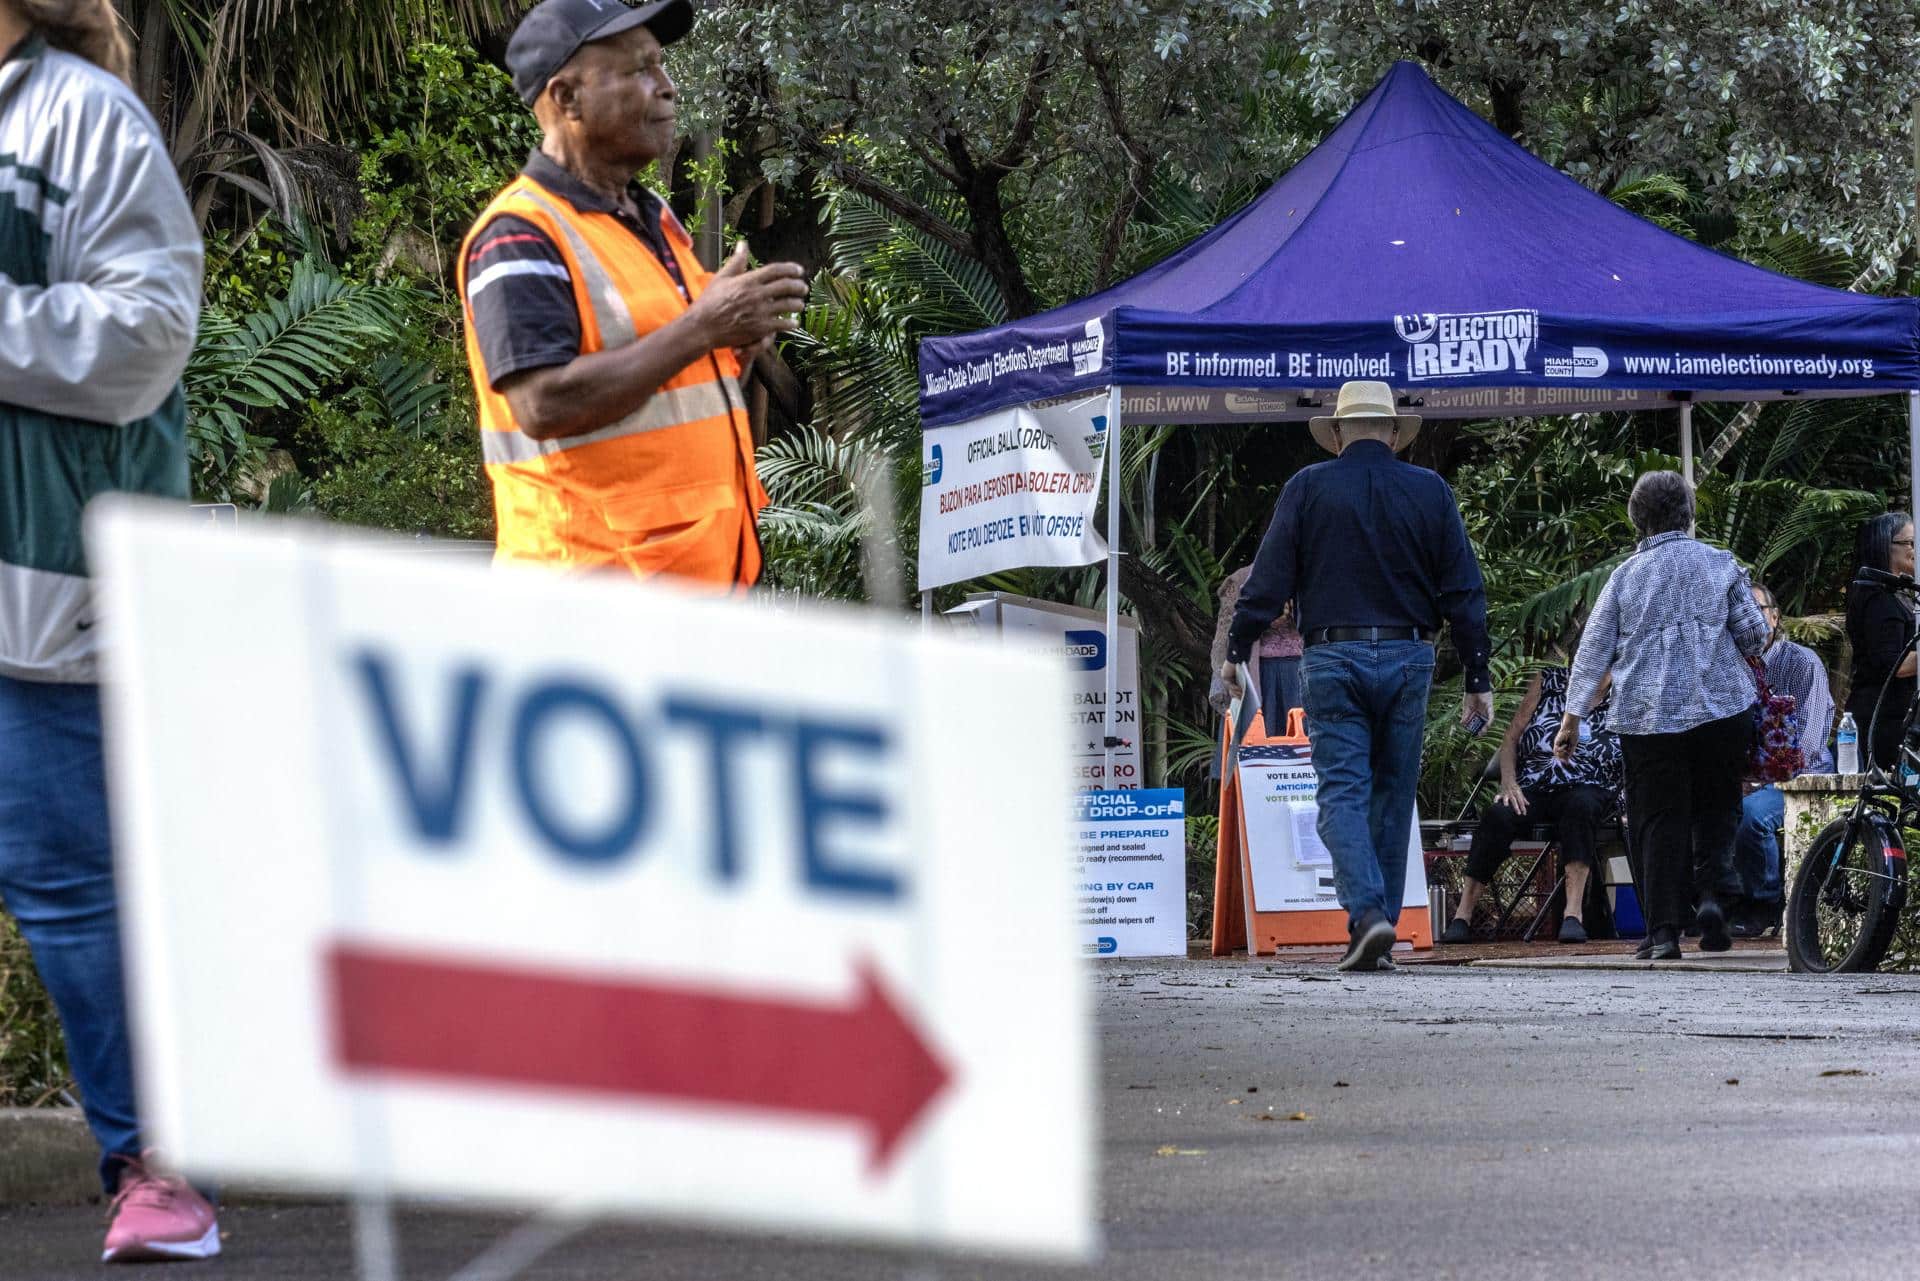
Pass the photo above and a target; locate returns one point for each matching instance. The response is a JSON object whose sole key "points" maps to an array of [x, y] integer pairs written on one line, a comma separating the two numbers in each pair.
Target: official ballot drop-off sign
{"points": [[1012, 489], [591, 895]]}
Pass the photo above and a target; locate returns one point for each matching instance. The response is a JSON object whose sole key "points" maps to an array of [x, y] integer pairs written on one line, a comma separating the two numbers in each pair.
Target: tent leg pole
{"points": [[926, 609], [1111, 718], [1686, 441], [1913, 437]]}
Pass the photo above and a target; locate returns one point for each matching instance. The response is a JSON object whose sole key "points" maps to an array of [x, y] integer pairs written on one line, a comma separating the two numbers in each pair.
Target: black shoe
{"points": [[1372, 938], [1713, 927], [1661, 945], [1458, 931], [1571, 930], [1386, 963], [1645, 950]]}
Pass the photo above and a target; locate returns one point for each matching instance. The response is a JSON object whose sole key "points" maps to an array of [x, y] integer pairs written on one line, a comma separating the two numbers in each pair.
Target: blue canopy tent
{"points": [[1420, 246]]}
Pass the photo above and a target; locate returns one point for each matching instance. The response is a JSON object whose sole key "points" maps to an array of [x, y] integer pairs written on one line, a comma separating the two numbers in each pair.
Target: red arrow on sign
{"points": [[411, 1015]]}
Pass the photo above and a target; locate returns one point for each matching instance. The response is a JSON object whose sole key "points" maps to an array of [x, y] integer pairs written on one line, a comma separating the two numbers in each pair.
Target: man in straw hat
{"points": [[1372, 552]]}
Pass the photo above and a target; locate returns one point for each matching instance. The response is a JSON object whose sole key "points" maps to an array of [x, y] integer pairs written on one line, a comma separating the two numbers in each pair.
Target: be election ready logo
{"points": [[1460, 345]]}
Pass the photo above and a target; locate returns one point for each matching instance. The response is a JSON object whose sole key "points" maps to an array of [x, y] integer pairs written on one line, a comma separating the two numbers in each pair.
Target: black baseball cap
{"points": [[553, 31]]}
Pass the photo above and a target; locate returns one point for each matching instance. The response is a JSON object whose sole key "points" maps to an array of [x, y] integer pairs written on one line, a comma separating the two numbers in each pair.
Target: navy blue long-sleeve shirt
{"points": [[1367, 540]]}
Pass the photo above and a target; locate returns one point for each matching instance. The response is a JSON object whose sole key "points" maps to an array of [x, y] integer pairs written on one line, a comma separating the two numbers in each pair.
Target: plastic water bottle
{"points": [[1846, 745]]}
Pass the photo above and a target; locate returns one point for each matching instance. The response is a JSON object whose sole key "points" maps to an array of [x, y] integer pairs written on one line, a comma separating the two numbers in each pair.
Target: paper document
{"points": [[1243, 710], [1308, 851]]}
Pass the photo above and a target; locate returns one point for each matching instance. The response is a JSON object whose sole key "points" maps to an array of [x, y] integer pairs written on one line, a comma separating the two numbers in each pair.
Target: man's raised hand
{"points": [[743, 305]]}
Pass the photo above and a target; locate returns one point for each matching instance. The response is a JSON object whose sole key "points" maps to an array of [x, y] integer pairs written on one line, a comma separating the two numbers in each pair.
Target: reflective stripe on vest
{"points": [[609, 308], [663, 409]]}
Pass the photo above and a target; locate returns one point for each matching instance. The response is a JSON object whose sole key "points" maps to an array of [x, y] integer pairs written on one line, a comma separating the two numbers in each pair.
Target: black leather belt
{"points": [[1326, 635]]}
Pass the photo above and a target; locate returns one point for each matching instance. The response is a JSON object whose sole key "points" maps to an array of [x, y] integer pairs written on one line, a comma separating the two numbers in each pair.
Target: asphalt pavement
{"points": [[1267, 1119]]}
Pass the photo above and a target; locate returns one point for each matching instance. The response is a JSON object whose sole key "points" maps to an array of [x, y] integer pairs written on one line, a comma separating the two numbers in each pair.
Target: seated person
{"points": [[1576, 796], [1791, 669], [1276, 658]]}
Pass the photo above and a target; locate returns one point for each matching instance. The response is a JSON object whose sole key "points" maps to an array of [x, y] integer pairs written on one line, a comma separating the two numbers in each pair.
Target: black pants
{"points": [[1683, 808], [1575, 812]]}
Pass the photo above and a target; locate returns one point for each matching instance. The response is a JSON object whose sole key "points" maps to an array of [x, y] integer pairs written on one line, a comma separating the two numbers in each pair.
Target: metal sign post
{"points": [[1913, 451], [1686, 441], [1110, 717]]}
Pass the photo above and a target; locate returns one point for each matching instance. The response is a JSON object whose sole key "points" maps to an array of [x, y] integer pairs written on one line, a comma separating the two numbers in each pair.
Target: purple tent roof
{"points": [[1419, 245]]}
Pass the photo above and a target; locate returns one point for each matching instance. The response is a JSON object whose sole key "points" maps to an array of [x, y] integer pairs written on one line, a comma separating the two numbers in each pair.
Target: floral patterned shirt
{"points": [[1596, 761]]}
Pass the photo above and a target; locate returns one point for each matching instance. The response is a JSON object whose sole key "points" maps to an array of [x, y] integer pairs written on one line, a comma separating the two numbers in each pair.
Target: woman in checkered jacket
{"points": [[1674, 627]]}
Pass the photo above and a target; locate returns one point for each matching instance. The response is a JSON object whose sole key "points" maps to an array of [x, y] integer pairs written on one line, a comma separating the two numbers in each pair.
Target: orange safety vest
{"points": [[669, 489]]}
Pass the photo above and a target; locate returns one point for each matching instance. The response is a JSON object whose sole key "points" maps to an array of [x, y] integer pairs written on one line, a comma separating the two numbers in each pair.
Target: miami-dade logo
{"points": [[1090, 353], [1464, 344], [931, 470], [1581, 362], [1086, 650], [1096, 440]]}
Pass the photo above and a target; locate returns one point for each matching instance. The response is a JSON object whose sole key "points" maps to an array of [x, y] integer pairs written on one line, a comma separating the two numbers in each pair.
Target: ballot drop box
{"points": [[1273, 881]]}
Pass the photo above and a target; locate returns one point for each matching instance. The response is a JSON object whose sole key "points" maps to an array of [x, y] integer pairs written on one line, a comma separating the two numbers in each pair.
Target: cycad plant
{"points": [[249, 366], [888, 286]]}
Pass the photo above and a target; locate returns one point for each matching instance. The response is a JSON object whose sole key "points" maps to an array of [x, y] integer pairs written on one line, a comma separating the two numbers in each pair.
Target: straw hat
{"points": [[1369, 401]]}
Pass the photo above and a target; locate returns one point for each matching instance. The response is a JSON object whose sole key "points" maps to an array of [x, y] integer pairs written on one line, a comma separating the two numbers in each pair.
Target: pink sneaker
{"points": [[158, 1217]]}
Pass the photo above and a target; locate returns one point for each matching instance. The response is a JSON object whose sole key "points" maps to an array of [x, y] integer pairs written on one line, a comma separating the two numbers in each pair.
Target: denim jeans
{"points": [[1756, 848], [56, 878], [1366, 707]]}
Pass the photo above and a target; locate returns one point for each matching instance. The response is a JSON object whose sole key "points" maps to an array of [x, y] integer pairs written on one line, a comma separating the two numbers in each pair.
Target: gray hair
{"points": [[1661, 502]]}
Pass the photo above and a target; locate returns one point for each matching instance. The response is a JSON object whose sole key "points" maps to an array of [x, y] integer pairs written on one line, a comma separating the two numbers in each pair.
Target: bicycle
{"points": [[1852, 884]]}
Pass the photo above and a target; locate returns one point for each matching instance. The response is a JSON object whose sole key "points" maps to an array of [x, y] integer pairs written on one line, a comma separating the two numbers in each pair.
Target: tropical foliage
{"points": [[942, 167]]}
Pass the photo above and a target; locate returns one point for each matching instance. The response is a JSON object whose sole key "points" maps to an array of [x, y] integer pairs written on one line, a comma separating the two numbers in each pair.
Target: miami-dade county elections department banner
{"points": [[1132, 871], [1011, 490]]}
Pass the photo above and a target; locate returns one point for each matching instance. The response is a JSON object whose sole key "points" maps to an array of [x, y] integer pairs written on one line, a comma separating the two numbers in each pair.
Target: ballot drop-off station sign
{"points": [[553, 892], [1132, 870], [1076, 640], [1130, 856]]}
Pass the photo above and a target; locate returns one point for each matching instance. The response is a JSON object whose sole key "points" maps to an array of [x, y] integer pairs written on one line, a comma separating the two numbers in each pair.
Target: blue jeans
{"points": [[1366, 707], [56, 877], [1756, 849]]}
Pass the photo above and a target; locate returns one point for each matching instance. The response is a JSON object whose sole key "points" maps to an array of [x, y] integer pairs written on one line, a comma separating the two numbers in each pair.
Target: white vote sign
{"points": [[1012, 489], [592, 895]]}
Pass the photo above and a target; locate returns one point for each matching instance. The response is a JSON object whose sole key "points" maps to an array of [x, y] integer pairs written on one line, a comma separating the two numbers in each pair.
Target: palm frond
{"points": [[408, 392], [1551, 609], [1817, 516], [950, 293], [1660, 198], [282, 354]]}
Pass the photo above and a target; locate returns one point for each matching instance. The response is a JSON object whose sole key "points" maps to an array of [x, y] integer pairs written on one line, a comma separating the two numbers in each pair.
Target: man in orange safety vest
{"points": [[606, 360]]}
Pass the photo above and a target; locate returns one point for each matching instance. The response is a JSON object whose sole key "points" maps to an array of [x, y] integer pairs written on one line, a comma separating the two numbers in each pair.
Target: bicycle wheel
{"points": [[1838, 917]]}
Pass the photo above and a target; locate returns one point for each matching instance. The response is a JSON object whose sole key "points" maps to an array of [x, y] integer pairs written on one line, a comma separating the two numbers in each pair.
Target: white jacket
{"points": [[100, 272]]}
